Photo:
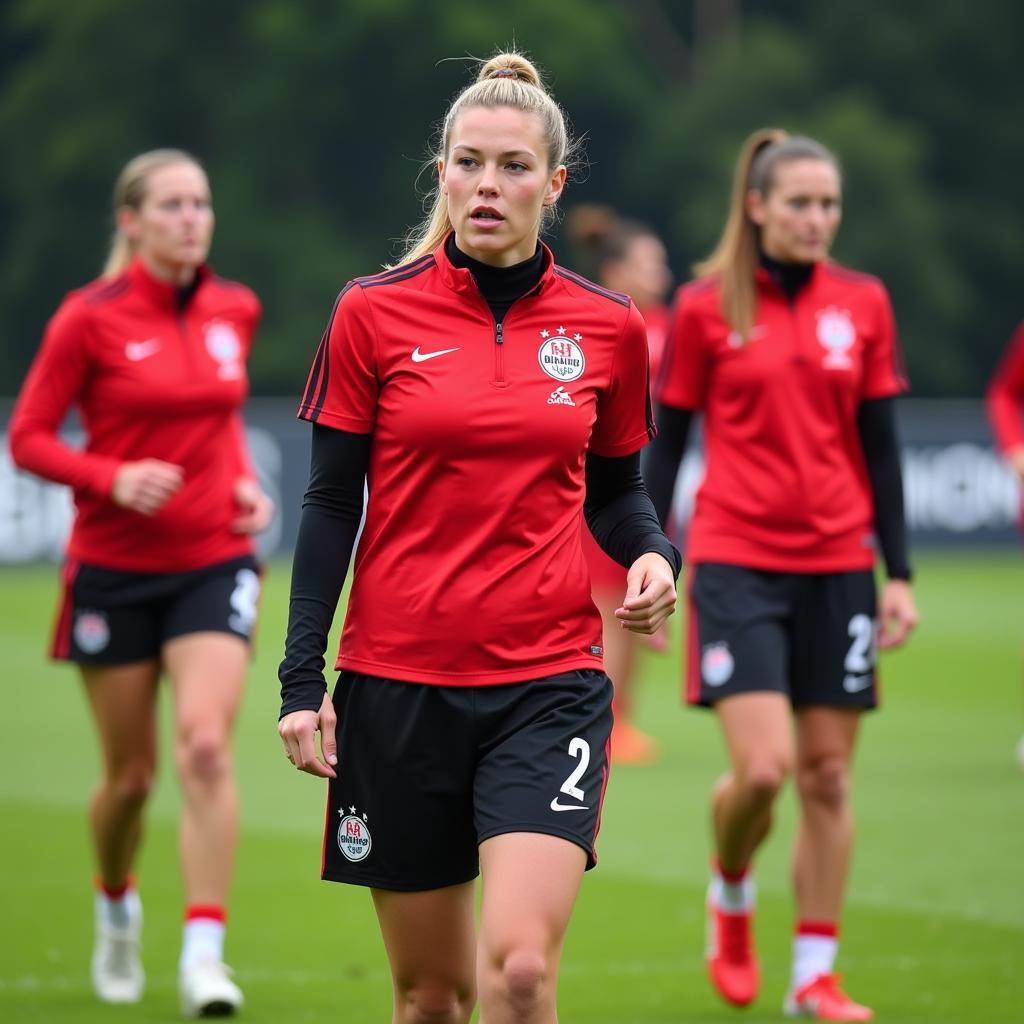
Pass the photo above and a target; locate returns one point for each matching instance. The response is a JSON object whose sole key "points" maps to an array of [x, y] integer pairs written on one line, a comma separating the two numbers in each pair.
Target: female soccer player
{"points": [[160, 575], [1005, 400], [626, 257], [794, 362], [486, 395]]}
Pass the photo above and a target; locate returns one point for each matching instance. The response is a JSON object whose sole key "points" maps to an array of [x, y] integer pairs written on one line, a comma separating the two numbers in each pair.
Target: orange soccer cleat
{"points": [[731, 962], [823, 999]]}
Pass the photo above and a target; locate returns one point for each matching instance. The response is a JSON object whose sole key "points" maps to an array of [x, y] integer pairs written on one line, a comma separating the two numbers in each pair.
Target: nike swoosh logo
{"points": [[422, 357], [138, 350], [854, 684], [556, 806]]}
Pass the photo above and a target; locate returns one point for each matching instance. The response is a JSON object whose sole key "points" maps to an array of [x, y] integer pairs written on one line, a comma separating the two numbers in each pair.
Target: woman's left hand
{"points": [[897, 614], [650, 594], [256, 509]]}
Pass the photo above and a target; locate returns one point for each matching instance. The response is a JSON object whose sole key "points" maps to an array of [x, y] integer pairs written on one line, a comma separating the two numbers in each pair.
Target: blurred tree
{"points": [[314, 116]]}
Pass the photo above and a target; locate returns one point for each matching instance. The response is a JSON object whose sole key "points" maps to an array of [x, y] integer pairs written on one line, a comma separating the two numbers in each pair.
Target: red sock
{"points": [[732, 877], [115, 892], [824, 929], [206, 912]]}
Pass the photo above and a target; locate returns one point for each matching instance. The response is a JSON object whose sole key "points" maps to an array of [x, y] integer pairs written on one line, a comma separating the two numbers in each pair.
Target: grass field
{"points": [[933, 932]]}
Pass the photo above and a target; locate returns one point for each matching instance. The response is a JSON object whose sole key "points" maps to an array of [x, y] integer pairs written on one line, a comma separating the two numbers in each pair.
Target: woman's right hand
{"points": [[298, 732], [147, 485]]}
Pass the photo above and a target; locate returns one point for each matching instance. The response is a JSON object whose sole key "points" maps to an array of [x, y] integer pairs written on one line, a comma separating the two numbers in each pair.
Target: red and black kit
{"points": [[156, 372]]}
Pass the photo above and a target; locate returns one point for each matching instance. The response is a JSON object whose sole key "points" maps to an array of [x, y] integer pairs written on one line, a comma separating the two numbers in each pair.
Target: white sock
{"points": [[122, 912], [733, 897], [812, 955], [203, 940]]}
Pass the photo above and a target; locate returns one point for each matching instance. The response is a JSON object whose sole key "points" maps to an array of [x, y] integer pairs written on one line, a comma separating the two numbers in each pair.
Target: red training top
{"points": [[605, 572], [470, 569], [786, 487], [150, 381], [1005, 395]]}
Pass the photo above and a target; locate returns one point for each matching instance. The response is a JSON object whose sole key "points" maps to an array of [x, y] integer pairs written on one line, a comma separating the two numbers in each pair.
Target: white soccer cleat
{"points": [[117, 975], [207, 990]]}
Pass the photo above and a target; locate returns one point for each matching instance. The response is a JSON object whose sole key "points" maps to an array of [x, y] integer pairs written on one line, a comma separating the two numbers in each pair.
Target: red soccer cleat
{"points": [[731, 962], [823, 999]]}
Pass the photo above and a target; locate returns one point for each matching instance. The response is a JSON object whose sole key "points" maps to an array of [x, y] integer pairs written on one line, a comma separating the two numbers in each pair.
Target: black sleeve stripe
{"points": [[652, 430], [622, 300], [398, 274], [109, 291], [318, 375]]}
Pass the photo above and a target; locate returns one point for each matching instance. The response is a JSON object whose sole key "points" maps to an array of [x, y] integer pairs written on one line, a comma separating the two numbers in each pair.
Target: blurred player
{"points": [[488, 396], [1005, 400], [160, 575], [626, 257], [793, 361]]}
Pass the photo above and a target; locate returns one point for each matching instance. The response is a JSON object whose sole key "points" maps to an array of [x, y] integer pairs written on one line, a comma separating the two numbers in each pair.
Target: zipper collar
{"points": [[163, 293], [461, 280]]}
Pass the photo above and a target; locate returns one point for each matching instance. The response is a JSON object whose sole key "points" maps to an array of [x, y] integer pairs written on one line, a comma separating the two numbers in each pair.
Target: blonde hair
{"points": [[130, 190], [735, 259], [506, 80]]}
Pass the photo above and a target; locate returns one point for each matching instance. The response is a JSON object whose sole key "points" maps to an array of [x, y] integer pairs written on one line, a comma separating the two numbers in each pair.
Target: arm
{"points": [[1005, 403], [876, 425], [623, 521], [664, 455], [331, 512], [255, 509]]}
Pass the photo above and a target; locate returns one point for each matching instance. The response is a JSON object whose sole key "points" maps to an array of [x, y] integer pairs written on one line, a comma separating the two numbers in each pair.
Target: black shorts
{"points": [[110, 617], [811, 636], [426, 773]]}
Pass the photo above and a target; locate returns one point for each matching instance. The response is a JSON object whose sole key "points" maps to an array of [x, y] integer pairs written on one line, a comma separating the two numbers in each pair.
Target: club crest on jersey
{"points": [[560, 355], [92, 633], [717, 664], [224, 346], [837, 335], [560, 397], [353, 835]]}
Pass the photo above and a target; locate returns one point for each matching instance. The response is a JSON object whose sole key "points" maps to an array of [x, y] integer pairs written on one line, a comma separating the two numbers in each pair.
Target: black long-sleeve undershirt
{"points": [[876, 427], [617, 509]]}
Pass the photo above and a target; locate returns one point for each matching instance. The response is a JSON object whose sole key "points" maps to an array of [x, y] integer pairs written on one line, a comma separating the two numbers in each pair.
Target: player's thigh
{"points": [[739, 633], [207, 672], [123, 699], [430, 936], [758, 732], [826, 735], [835, 641]]}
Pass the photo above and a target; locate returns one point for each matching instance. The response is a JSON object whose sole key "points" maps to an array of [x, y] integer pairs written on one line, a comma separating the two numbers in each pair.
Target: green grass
{"points": [[934, 926]]}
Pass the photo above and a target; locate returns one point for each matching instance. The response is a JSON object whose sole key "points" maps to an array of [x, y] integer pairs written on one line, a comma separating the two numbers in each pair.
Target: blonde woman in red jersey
{"points": [[627, 257], [1005, 402], [793, 360], [160, 576], [487, 396]]}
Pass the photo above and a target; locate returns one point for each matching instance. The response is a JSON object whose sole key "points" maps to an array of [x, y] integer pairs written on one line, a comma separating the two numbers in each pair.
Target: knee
{"points": [[132, 783], [203, 754], [523, 975], [825, 782], [762, 778], [434, 1002]]}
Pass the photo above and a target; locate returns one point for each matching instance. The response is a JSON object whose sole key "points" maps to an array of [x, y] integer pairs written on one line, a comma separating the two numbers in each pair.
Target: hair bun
{"points": [[513, 66]]}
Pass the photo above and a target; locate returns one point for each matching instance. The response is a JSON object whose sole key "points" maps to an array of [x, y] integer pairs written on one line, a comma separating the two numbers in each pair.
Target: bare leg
{"points": [[530, 886], [123, 703], [430, 938], [758, 735], [824, 841], [208, 674]]}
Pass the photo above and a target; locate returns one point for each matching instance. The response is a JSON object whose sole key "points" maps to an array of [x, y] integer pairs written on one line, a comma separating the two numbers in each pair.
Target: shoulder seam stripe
{"points": [[412, 271], [622, 300], [395, 272], [108, 291]]}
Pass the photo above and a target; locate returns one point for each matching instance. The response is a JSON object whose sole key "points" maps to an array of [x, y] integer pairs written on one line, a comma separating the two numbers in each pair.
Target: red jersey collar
{"points": [[162, 293], [459, 279]]}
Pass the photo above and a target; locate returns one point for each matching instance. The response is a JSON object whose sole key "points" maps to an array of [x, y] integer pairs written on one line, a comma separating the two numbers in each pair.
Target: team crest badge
{"points": [[92, 633], [837, 335], [224, 346], [717, 664], [354, 835], [561, 356]]}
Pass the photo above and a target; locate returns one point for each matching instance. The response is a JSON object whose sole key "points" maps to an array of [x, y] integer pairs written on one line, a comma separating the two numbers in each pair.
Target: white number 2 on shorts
{"points": [[244, 601], [861, 655], [577, 748]]}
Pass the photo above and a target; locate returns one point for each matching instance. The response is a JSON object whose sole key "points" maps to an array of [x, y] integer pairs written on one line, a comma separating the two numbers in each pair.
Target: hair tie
{"points": [[504, 73]]}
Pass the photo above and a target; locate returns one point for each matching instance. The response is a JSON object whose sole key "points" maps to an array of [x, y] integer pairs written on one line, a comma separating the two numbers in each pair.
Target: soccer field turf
{"points": [[934, 926]]}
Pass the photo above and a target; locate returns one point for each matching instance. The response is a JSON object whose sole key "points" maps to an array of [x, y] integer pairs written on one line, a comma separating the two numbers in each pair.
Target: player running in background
{"points": [[1005, 401], [626, 257], [793, 361], [488, 396], [160, 575]]}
